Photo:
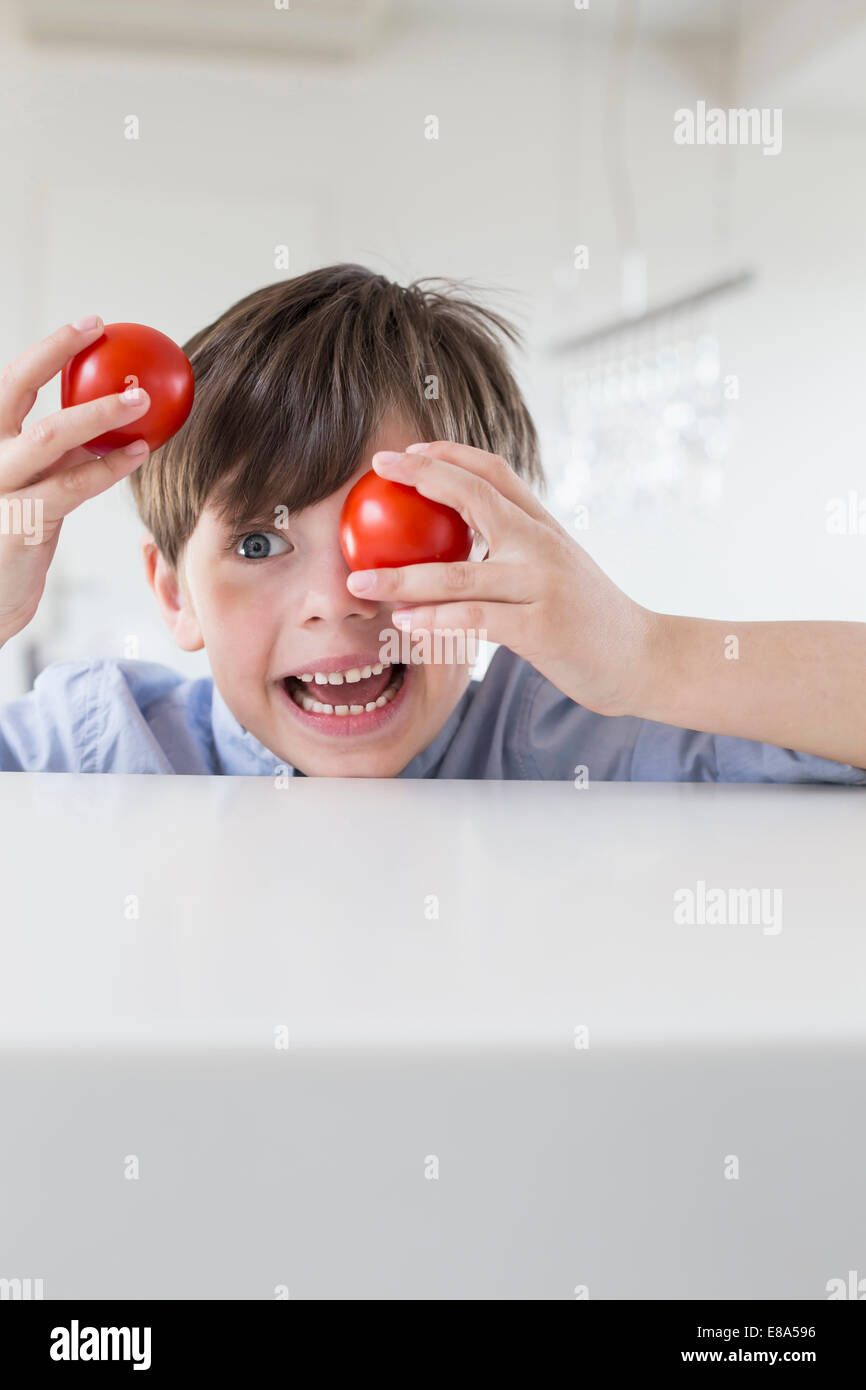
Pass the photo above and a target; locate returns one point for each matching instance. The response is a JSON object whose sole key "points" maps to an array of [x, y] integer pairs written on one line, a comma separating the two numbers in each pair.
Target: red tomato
{"points": [[385, 524], [129, 354]]}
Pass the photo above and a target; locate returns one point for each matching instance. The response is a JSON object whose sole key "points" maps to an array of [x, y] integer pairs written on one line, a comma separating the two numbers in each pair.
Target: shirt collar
{"points": [[239, 753], [425, 763]]}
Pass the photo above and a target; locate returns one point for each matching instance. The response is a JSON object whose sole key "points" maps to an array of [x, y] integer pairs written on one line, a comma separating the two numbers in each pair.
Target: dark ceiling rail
{"points": [[666, 309]]}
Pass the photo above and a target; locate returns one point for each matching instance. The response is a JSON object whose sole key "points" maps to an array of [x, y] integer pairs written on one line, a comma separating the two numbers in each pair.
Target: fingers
{"points": [[480, 502], [27, 457], [432, 583], [492, 467], [67, 460], [21, 379], [490, 622], [65, 490]]}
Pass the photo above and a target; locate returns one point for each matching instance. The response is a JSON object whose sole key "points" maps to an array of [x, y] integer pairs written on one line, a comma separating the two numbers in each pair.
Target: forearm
{"points": [[799, 685]]}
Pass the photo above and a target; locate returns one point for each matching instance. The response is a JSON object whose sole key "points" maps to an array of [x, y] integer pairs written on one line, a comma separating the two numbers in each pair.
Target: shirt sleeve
{"points": [[560, 739], [740, 760], [46, 729], [93, 716], [663, 752]]}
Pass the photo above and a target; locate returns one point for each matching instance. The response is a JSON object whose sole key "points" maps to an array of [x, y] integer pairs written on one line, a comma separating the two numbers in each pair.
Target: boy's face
{"points": [[291, 614]]}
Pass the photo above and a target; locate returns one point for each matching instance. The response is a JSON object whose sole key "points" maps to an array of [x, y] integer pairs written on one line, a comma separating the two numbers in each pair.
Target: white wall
{"points": [[237, 156]]}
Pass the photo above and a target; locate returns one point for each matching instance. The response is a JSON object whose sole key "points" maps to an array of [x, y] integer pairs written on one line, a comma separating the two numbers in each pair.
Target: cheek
{"points": [[238, 634], [443, 679]]}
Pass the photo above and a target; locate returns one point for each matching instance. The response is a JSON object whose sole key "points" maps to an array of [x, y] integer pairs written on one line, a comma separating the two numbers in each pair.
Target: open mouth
{"points": [[359, 691]]}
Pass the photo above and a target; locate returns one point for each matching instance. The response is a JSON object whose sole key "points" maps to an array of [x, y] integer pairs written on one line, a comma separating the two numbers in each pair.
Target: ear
{"points": [[173, 601]]}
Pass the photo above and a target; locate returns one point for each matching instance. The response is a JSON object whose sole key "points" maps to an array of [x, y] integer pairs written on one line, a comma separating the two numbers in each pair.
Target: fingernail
{"points": [[388, 456], [131, 396], [417, 448], [362, 579], [138, 446], [90, 321]]}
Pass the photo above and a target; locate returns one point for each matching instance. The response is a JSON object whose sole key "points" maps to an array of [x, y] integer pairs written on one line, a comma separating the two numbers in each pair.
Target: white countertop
{"points": [[304, 906], [415, 1041]]}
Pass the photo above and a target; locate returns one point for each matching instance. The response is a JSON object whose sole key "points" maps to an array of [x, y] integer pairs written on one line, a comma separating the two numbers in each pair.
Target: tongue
{"points": [[350, 692]]}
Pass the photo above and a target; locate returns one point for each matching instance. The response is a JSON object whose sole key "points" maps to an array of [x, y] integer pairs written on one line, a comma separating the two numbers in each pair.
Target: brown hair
{"points": [[292, 383]]}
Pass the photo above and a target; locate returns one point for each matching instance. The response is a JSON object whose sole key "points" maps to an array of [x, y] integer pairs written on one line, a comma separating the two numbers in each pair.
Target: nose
{"points": [[325, 596]]}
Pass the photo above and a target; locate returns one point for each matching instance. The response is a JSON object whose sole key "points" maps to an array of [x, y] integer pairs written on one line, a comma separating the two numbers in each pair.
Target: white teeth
{"points": [[355, 673], [313, 706]]}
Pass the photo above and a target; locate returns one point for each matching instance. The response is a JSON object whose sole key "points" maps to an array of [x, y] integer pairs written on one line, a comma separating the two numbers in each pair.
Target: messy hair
{"points": [[293, 381]]}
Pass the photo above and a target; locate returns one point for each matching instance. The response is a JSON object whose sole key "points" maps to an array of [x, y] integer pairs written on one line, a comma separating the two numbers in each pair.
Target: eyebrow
{"points": [[253, 523]]}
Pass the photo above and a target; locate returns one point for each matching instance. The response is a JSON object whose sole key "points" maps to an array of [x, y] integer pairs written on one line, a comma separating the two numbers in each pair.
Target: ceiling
{"points": [[671, 17], [809, 52]]}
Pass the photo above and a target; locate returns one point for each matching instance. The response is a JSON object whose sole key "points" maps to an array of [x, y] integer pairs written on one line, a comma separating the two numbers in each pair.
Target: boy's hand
{"points": [[537, 592], [45, 473]]}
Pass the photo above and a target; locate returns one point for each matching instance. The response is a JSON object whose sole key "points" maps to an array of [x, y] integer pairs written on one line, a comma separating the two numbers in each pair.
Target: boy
{"points": [[300, 387]]}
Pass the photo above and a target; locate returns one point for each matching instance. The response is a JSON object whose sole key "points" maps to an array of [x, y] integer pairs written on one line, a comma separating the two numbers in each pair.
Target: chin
{"points": [[361, 767]]}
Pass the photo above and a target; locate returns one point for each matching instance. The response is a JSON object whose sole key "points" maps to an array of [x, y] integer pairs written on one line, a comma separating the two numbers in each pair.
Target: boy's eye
{"points": [[259, 545]]}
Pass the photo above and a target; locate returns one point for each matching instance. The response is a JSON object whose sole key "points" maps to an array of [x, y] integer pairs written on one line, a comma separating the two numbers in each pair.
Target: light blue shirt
{"points": [[137, 716]]}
